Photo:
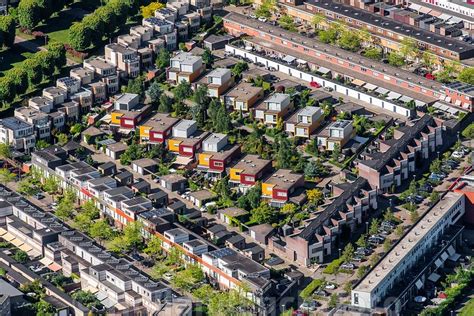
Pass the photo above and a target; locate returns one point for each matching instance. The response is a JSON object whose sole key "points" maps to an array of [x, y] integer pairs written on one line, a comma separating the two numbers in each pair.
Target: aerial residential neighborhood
{"points": [[261, 157]]}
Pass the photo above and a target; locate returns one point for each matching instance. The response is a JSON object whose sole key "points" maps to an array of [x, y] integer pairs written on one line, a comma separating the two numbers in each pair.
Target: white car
{"points": [[330, 286], [262, 19], [457, 154], [167, 276]]}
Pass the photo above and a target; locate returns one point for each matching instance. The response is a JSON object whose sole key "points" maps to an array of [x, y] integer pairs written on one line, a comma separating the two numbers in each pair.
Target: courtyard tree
{"points": [[101, 230]]}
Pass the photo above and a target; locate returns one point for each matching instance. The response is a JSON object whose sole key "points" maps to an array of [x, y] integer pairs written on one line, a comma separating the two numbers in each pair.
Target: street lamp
{"points": [[366, 228]]}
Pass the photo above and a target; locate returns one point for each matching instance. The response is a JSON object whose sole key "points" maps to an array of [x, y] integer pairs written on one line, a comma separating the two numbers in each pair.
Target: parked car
{"points": [[167, 276], [262, 19], [253, 16], [330, 286], [322, 293], [348, 266], [358, 258], [137, 257], [382, 238], [328, 89], [364, 251], [426, 188], [314, 84], [311, 305], [39, 196]]}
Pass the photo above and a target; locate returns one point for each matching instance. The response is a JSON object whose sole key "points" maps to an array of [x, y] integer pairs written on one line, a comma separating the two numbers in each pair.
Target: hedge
{"points": [[313, 286]]}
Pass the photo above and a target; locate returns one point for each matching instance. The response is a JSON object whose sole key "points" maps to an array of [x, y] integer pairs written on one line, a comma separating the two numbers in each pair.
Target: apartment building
{"points": [[459, 93], [218, 81], [185, 66], [304, 121], [389, 32], [395, 160], [242, 97], [414, 260], [39, 120], [273, 109], [17, 133], [157, 129], [337, 133], [280, 186], [317, 240], [125, 59], [248, 170], [217, 154], [273, 39]]}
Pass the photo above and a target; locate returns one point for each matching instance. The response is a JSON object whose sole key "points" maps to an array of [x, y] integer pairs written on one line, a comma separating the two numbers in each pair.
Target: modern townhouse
{"points": [[459, 93], [41, 103], [216, 156], [85, 98], [304, 122], [328, 57], [71, 109], [185, 66], [414, 260], [125, 59], [186, 141], [70, 84], [242, 97], [128, 112], [318, 238], [39, 120], [144, 166], [280, 186], [166, 35], [273, 109], [397, 159], [176, 236], [157, 129], [337, 133], [248, 170], [85, 76], [17, 133], [218, 81], [115, 150], [156, 220], [389, 31], [106, 71]]}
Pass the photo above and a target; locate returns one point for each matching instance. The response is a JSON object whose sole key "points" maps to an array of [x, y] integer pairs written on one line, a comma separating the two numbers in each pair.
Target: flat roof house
{"points": [[339, 132], [115, 150], [173, 182], [249, 170], [218, 81], [18, 134], [274, 108], [185, 66], [304, 122], [187, 139], [279, 187], [157, 129], [216, 155], [144, 166], [242, 97]]}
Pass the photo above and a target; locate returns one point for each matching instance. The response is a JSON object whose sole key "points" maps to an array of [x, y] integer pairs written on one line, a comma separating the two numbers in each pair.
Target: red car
{"points": [[430, 76], [314, 84], [299, 313]]}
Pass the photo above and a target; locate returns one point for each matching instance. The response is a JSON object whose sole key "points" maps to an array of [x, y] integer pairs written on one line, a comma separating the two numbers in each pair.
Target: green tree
{"points": [[289, 209], [414, 216], [207, 57], [7, 31], [395, 59], [29, 14], [79, 36], [468, 133], [5, 151], [101, 230], [154, 92], [262, 214], [76, 129], [186, 279], [21, 256], [373, 53], [399, 231], [239, 68], [19, 77], [153, 247], [435, 166], [165, 104], [349, 40], [287, 22], [182, 91], [6, 176], [361, 271], [44, 308], [336, 152], [163, 59], [374, 226], [428, 59], [333, 300], [467, 75], [65, 209], [199, 110], [135, 86], [51, 185], [41, 144], [87, 298], [315, 196], [362, 241], [132, 235], [328, 36], [348, 253], [26, 187], [434, 197], [408, 48], [319, 20], [223, 122], [374, 259], [149, 10], [62, 139], [222, 190], [251, 199]]}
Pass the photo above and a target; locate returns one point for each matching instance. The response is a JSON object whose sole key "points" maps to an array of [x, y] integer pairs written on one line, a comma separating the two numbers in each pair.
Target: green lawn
{"points": [[57, 27], [468, 309]]}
